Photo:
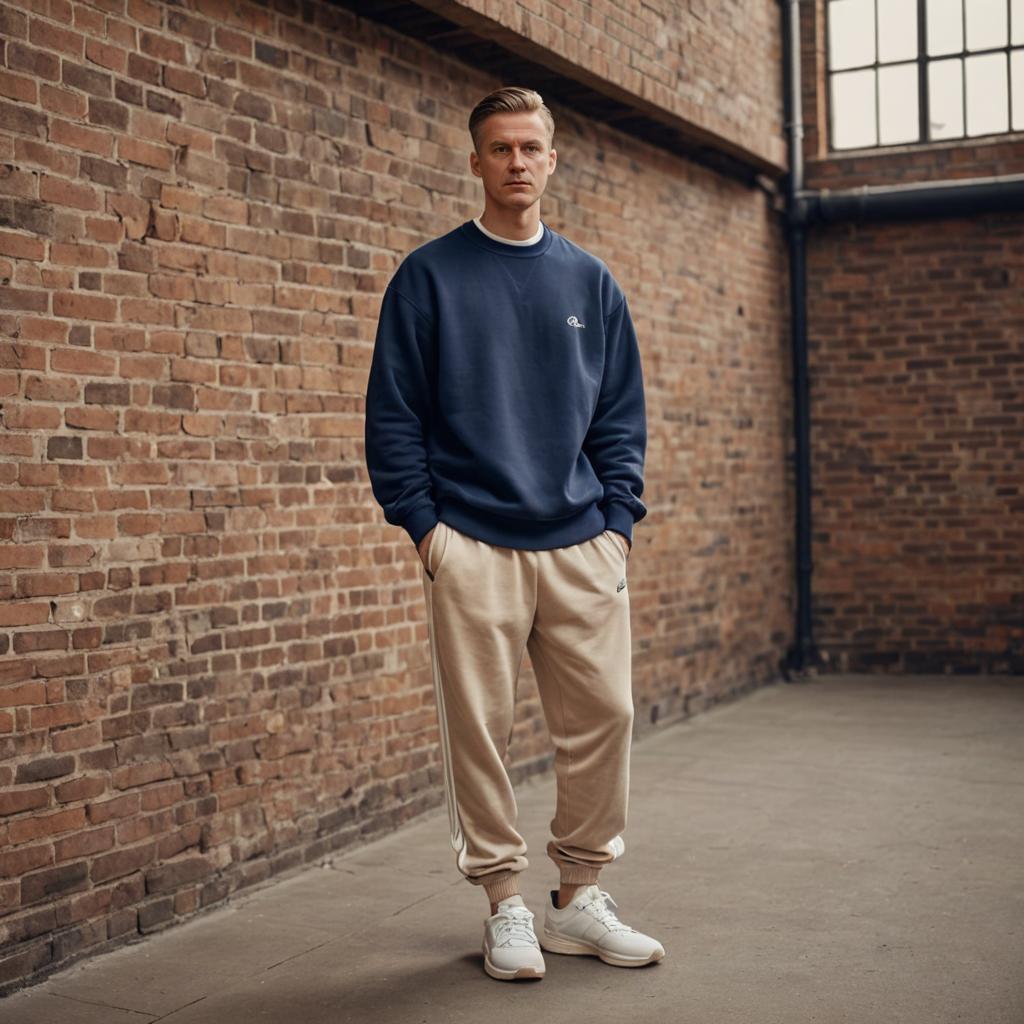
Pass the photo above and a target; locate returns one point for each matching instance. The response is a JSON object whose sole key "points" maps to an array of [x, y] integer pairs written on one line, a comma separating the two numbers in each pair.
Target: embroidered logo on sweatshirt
{"points": [[573, 322]]}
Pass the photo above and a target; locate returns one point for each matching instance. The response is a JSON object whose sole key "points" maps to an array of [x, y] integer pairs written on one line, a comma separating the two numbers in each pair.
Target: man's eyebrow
{"points": [[526, 142]]}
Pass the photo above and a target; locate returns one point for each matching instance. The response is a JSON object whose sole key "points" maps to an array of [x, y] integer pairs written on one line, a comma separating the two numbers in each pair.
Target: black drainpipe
{"points": [[803, 653], [804, 208], [954, 198]]}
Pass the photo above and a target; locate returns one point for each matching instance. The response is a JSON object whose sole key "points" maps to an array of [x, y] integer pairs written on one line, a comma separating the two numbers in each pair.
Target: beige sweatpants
{"points": [[569, 607]]}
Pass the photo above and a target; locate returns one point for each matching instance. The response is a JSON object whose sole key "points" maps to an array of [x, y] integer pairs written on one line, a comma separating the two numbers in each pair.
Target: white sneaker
{"points": [[510, 946], [587, 925]]}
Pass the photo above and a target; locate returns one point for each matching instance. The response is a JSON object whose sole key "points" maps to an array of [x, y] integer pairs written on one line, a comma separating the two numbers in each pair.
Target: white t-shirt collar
{"points": [[512, 241]]}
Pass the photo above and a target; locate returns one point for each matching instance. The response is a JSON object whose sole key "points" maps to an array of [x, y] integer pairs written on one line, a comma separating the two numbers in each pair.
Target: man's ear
{"points": [[474, 160]]}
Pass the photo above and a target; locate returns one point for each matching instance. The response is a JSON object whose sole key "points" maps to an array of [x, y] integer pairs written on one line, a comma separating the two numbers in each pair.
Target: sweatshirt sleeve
{"points": [[398, 416], [616, 442]]}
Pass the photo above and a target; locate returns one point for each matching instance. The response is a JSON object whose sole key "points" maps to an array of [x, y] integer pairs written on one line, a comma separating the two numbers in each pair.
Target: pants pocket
{"points": [[437, 548], [611, 537]]}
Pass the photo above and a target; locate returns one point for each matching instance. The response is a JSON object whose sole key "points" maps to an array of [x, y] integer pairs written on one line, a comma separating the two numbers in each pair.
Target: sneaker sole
{"points": [[577, 947], [518, 973]]}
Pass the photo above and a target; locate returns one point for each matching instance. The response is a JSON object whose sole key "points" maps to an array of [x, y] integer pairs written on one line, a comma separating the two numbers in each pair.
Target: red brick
{"points": [[40, 768], [121, 862], [48, 36], [172, 875], [14, 801], [83, 844], [118, 807], [16, 862], [82, 788], [55, 881], [76, 739], [139, 774], [22, 693], [40, 826]]}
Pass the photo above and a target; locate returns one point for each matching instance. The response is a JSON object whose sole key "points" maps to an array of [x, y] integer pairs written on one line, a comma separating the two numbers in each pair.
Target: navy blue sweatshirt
{"points": [[505, 394]]}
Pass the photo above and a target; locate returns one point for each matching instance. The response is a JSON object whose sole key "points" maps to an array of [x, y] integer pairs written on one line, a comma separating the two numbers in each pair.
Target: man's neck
{"points": [[512, 229]]}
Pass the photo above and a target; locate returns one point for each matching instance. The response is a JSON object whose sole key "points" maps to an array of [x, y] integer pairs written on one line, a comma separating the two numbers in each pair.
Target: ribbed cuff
{"points": [[618, 517], [419, 524], [578, 874], [503, 888]]}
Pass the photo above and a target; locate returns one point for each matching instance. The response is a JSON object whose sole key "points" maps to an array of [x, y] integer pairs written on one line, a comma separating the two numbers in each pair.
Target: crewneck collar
{"points": [[538, 235], [480, 236]]}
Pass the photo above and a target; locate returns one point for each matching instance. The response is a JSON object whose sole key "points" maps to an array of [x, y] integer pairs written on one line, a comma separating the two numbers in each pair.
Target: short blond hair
{"points": [[510, 99]]}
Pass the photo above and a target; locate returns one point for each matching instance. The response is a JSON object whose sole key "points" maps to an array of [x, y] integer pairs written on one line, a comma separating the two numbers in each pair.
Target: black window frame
{"points": [[923, 60]]}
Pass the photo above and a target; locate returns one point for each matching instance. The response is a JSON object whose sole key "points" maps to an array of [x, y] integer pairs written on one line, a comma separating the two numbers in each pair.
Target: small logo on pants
{"points": [[622, 585]]}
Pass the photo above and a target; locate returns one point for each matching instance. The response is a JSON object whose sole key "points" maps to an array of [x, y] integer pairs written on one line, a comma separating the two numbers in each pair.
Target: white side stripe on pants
{"points": [[458, 838]]}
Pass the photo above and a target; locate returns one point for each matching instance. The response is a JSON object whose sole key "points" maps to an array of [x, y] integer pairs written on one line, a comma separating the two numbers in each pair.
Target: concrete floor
{"points": [[848, 849]]}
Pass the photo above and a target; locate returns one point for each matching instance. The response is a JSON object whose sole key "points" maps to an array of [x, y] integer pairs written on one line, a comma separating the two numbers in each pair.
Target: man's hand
{"points": [[423, 547], [622, 540]]}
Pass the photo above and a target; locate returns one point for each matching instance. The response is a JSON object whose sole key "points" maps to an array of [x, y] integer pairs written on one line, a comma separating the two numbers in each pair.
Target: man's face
{"points": [[513, 148]]}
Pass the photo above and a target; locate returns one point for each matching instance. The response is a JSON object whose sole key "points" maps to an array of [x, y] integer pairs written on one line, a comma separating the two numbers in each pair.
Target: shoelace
{"points": [[515, 923], [603, 907]]}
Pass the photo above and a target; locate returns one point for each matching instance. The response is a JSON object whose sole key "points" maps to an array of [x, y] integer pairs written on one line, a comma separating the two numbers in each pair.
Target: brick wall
{"points": [[917, 373], [213, 657], [916, 336]]}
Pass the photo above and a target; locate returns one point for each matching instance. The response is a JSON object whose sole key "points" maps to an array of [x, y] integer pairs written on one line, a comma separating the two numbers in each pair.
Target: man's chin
{"points": [[517, 198]]}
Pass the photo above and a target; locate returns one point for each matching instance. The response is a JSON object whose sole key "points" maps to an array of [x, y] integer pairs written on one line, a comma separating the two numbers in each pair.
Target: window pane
{"points": [[945, 26], [945, 99], [986, 94], [897, 30], [851, 33], [1017, 80], [897, 104], [1016, 22], [986, 24], [853, 109]]}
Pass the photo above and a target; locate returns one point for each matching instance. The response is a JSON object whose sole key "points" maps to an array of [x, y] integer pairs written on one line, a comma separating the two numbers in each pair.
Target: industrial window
{"points": [[904, 71]]}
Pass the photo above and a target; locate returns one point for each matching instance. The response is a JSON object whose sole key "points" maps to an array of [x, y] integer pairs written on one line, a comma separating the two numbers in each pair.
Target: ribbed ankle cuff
{"points": [[578, 874], [503, 888]]}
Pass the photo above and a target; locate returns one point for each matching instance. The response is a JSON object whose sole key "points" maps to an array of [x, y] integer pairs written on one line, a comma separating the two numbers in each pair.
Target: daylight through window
{"points": [[904, 71]]}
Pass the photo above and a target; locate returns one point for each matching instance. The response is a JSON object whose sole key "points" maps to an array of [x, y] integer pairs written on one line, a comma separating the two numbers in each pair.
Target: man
{"points": [[506, 433]]}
